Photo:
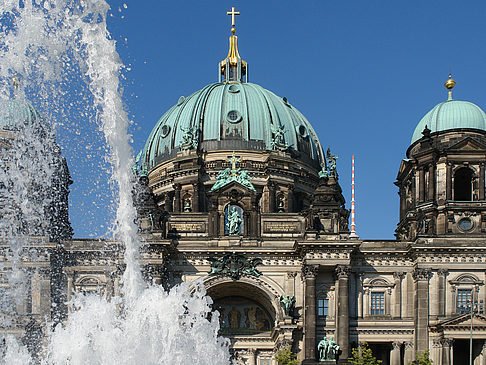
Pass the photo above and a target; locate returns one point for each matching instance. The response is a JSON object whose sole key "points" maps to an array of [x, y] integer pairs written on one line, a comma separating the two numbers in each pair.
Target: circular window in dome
{"points": [[233, 89], [165, 130], [465, 224], [302, 130], [233, 116], [181, 100]]}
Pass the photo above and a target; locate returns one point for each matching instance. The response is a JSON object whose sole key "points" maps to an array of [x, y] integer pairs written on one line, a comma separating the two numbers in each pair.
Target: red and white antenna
{"points": [[353, 222]]}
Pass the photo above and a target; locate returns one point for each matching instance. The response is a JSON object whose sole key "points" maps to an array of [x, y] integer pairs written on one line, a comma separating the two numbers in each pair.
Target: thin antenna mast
{"points": [[353, 222]]}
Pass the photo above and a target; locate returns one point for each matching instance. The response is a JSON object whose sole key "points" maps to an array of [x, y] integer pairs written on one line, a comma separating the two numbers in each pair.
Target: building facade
{"points": [[235, 189]]}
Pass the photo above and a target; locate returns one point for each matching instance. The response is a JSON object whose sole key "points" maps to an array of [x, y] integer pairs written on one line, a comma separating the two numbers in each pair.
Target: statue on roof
{"points": [[278, 138], [189, 137], [331, 163]]}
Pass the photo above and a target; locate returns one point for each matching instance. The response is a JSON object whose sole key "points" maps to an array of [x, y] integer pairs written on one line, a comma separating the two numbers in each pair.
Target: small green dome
{"points": [[232, 116], [451, 114], [15, 111]]}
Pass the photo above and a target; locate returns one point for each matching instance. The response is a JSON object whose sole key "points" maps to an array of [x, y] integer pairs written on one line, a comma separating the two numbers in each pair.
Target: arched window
{"points": [[463, 184]]}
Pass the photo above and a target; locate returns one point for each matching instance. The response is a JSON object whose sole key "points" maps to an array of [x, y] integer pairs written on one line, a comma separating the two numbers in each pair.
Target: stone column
{"points": [[397, 313], [177, 198], [446, 351], [421, 184], [409, 354], [359, 290], [309, 273], [254, 218], [441, 299], [366, 302], [252, 356], [290, 200], [395, 353], [271, 197], [342, 315], [430, 190], [449, 181], [195, 198], [483, 354], [421, 308], [481, 181]]}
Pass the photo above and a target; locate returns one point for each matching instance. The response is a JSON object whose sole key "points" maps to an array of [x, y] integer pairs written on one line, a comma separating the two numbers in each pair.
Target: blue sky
{"points": [[362, 72]]}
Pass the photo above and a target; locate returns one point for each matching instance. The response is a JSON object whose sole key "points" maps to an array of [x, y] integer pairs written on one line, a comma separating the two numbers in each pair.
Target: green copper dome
{"points": [[15, 111], [232, 116], [451, 114]]}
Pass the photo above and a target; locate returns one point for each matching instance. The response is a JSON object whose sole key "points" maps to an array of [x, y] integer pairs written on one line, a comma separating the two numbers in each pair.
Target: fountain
{"points": [[45, 40]]}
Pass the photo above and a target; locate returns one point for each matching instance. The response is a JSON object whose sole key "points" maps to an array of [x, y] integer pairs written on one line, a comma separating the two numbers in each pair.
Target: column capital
{"points": [[396, 345], [447, 342], [310, 271], [408, 344], [398, 275], [421, 274], [291, 274], [437, 342], [342, 271], [442, 272]]}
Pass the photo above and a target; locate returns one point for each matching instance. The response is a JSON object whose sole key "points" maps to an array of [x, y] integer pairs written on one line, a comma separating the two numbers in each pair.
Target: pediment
{"points": [[234, 185], [467, 144], [463, 321]]}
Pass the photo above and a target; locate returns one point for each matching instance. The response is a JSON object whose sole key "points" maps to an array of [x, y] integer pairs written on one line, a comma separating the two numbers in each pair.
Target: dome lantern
{"points": [[233, 68]]}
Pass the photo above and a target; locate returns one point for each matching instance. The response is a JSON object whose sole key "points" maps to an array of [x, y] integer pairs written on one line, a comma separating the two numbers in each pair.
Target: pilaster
{"points": [[342, 316], [309, 273], [395, 353], [421, 307]]}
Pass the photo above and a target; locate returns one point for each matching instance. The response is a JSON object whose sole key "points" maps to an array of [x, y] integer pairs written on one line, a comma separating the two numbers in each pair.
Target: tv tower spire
{"points": [[353, 222]]}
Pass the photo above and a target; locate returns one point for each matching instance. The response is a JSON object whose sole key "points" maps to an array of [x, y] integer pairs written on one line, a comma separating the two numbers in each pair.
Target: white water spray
{"points": [[153, 327]]}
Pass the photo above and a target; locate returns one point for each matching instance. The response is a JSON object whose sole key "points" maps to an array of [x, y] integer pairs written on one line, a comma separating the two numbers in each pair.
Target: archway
{"points": [[463, 184]]}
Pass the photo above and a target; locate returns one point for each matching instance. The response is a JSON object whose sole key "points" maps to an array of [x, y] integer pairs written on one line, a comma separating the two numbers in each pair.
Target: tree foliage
{"points": [[285, 356], [363, 355], [423, 358]]}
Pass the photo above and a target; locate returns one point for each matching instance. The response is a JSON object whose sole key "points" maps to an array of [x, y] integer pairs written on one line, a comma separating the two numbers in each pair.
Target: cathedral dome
{"points": [[451, 114], [232, 116], [15, 111]]}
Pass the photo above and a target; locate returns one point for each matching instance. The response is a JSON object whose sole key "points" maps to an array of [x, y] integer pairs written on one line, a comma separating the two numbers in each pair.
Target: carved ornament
{"points": [[234, 265]]}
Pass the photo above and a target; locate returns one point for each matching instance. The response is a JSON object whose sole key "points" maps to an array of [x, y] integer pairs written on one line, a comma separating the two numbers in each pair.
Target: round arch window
{"points": [[302, 130], [465, 224], [233, 116], [165, 130], [233, 89]]}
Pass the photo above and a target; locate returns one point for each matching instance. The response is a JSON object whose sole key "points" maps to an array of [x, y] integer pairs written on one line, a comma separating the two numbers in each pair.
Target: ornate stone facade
{"points": [[216, 209]]}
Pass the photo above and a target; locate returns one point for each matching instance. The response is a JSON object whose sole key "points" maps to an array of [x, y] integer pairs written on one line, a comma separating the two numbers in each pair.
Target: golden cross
{"points": [[233, 13], [233, 159], [16, 83]]}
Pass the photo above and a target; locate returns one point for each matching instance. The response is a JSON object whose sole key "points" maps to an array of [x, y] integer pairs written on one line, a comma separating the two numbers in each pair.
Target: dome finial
{"points": [[233, 68], [233, 13], [449, 84]]}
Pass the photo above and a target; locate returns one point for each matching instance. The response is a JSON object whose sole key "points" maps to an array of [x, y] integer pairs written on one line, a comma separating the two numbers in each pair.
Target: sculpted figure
{"points": [[333, 349], [322, 349], [234, 222], [288, 304]]}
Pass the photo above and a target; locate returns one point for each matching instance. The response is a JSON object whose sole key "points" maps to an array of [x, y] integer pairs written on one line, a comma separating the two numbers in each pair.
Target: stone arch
{"points": [[466, 278], [261, 291]]}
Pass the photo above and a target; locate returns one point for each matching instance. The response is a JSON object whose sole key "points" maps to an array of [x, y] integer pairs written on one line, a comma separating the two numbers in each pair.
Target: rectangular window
{"points": [[322, 307], [377, 304], [463, 302]]}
